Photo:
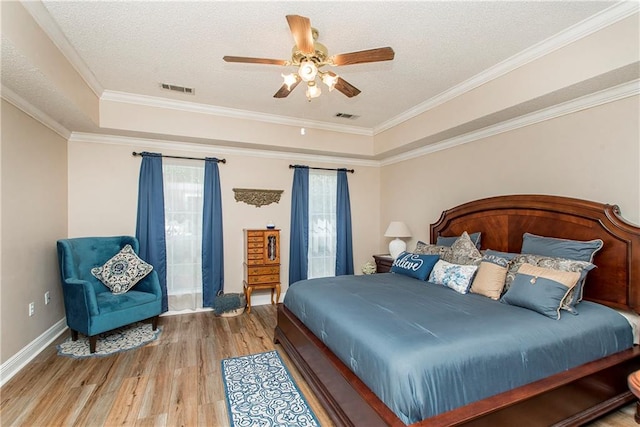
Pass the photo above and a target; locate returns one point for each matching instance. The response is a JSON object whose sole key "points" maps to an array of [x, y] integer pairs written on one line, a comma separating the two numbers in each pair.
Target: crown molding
{"points": [[194, 107], [582, 29], [570, 35], [29, 109], [41, 15], [588, 101], [215, 150]]}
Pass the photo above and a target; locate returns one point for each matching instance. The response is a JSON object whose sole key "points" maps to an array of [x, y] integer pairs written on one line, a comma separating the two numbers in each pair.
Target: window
{"points": [[183, 199], [322, 223]]}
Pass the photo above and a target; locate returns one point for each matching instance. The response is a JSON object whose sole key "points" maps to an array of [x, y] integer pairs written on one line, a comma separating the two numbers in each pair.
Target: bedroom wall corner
{"points": [[34, 216]]}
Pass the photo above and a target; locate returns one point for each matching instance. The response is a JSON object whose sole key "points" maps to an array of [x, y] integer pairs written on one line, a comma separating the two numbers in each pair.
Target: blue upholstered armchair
{"points": [[91, 308]]}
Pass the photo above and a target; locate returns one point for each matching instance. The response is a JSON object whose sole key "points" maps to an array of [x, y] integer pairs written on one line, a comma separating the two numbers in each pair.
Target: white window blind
{"points": [[183, 202], [322, 223]]}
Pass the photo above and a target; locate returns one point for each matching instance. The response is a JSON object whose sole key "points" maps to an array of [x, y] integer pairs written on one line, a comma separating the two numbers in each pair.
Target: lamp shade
{"points": [[397, 229]]}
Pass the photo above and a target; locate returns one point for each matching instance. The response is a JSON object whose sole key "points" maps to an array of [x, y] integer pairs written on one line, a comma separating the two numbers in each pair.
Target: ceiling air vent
{"points": [[347, 116], [176, 88]]}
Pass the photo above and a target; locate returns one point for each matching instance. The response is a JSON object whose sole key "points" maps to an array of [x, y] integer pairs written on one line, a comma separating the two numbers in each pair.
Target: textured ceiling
{"points": [[133, 46]]}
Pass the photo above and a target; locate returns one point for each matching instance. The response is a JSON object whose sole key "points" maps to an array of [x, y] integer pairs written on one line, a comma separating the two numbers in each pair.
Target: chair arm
{"points": [[80, 293], [150, 283]]}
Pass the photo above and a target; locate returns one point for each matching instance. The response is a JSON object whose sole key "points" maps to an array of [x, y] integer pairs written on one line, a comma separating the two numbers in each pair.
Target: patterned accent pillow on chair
{"points": [[122, 271]]}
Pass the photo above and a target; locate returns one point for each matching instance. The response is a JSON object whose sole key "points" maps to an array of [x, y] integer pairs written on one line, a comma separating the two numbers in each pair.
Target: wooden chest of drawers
{"points": [[261, 263]]}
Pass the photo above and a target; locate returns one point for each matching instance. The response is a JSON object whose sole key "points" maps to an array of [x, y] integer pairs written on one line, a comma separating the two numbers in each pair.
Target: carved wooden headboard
{"points": [[504, 219]]}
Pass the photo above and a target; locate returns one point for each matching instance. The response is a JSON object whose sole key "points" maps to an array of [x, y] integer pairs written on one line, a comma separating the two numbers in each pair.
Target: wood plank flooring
{"points": [[173, 381]]}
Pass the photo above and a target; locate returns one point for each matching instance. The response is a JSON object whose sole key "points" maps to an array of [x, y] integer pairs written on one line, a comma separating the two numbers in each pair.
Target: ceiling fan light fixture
{"points": [[307, 70], [329, 80], [313, 90], [308, 55], [290, 80]]}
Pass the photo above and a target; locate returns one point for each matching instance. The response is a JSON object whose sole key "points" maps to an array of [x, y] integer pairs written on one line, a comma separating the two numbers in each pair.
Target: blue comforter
{"points": [[424, 349]]}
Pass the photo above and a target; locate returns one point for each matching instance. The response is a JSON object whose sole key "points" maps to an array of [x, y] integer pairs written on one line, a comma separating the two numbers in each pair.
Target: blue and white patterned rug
{"points": [[261, 392], [121, 339]]}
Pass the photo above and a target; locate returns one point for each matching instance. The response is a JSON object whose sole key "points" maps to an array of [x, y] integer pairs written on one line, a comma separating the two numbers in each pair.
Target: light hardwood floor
{"points": [[173, 381]]}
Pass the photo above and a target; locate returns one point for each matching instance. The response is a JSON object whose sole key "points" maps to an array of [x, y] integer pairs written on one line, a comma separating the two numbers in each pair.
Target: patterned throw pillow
{"points": [[448, 241], [427, 249], [122, 271], [540, 289], [417, 266], [489, 280], [464, 252], [456, 277], [561, 264]]}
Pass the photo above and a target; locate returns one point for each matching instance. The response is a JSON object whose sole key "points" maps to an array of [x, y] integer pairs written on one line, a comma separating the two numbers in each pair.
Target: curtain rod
{"points": [[182, 157], [322, 169]]}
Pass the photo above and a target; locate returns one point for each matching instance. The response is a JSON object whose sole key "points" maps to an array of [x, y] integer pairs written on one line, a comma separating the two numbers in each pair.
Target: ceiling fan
{"points": [[310, 56]]}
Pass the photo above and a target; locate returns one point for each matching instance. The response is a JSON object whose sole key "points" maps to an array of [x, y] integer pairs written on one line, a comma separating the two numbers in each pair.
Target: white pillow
{"points": [[454, 276]]}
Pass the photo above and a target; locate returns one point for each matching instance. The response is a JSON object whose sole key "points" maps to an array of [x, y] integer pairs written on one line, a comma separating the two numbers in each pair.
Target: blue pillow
{"points": [[448, 241], [417, 266], [540, 289], [563, 248], [560, 248]]}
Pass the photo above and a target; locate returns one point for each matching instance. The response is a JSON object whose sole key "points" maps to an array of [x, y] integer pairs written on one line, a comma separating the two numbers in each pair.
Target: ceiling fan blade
{"points": [[301, 31], [371, 55], [284, 91], [255, 60], [345, 87]]}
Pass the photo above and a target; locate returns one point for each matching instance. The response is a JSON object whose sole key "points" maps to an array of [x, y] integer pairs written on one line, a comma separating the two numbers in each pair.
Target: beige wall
{"points": [[592, 154], [34, 216], [103, 188]]}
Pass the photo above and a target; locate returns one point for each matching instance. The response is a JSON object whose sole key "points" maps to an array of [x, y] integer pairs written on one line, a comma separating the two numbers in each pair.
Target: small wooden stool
{"points": [[634, 385]]}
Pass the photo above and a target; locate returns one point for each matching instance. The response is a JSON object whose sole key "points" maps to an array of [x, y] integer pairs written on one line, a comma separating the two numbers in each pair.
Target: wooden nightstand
{"points": [[383, 263]]}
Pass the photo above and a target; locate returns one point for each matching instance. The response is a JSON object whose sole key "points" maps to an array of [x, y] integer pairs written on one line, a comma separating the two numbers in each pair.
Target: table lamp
{"points": [[397, 229]]}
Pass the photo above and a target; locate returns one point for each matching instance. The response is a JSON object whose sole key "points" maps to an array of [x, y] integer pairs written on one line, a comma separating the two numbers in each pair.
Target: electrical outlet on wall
{"points": [[47, 298], [32, 308]]}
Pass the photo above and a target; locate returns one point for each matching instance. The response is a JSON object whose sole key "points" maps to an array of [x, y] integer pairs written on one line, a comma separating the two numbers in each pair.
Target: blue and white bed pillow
{"points": [[454, 276], [413, 265]]}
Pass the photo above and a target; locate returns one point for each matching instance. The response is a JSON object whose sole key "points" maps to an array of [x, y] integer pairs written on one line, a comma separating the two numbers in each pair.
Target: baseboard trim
{"points": [[19, 360], [29, 352], [261, 298]]}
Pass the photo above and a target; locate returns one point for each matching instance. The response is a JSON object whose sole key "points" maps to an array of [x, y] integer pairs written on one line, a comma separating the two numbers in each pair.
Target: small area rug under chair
{"points": [[261, 392], [111, 342]]}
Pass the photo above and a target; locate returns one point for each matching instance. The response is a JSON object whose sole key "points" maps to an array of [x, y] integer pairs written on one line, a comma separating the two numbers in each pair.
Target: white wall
{"points": [[34, 216], [103, 188], [592, 154]]}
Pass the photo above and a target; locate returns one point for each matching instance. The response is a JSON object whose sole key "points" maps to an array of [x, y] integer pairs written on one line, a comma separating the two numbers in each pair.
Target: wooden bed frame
{"points": [[572, 397]]}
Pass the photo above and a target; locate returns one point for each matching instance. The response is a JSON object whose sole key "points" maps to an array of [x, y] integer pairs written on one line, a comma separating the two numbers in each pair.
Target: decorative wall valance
{"points": [[255, 197]]}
